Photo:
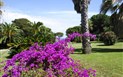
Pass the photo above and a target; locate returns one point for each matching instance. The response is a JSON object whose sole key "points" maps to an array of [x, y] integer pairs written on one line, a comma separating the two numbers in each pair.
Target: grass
{"points": [[3, 55], [106, 60]]}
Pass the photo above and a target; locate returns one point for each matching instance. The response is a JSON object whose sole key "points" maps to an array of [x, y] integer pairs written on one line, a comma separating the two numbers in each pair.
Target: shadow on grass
{"points": [[103, 45], [78, 51], [101, 50], [104, 50]]}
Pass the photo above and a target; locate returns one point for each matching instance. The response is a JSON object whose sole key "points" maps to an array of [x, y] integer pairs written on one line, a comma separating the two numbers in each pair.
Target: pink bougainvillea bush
{"points": [[51, 60]]}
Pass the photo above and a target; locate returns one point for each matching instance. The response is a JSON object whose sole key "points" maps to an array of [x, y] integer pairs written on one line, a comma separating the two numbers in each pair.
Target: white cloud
{"points": [[58, 21], [70, 13], [9, 16], [62, 12]]}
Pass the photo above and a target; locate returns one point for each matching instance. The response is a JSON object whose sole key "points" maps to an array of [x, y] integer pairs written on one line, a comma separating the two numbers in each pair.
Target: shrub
{"points": [[59, 34], [108, 38], [20, 43], [51, 60], [77, 40], [17, 48]]}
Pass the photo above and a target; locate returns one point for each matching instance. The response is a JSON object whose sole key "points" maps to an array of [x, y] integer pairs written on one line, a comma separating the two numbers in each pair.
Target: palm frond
{"points": [[114, 8], [110, 5], [3, 39], [121, 9], [106, 6]]}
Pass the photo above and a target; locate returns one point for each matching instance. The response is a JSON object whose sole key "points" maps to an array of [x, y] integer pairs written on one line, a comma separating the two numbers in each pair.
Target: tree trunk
{"points": [[84, 26]]}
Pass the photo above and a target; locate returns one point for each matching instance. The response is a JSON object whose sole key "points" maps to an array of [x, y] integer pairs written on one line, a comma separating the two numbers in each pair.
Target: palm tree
{"points": [[36, 27], [81, 6], [35, 32], [116, 8], [7, 31]]}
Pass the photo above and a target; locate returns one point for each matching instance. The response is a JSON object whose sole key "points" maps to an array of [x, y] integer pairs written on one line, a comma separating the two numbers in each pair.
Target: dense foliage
{"points": [[52, 60], [7, 34], [100, 23], [108, 38], [59, 34], [116, 9], [73, 29], [23, 24], [22, 33]]}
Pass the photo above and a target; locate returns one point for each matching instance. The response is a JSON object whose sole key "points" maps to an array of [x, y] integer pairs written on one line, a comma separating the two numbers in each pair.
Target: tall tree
{"points": [[116, 8], [59, 34], [81, 7], [23, 24], [100, 23]]}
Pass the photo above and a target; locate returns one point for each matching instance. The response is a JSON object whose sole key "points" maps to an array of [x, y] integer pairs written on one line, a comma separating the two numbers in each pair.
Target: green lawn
{"points": [[106, 60], [3, 55]]}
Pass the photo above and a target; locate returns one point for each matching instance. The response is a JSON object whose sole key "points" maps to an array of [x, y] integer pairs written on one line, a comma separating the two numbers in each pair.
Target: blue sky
{"points": [[55, 14]]}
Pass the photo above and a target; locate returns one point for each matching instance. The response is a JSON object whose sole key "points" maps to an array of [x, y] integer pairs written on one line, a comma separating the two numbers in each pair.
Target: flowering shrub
{"points": [[92, 36], [51, 60]]}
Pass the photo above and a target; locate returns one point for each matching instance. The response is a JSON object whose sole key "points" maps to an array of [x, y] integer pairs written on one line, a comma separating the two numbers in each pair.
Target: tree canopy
{"points": [[100, 23], [59, 34]]}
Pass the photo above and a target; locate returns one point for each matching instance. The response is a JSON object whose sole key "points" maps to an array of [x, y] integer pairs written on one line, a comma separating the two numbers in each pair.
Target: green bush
{"points": [[77, 40], [22, 43], [27, 36], [108, 38], [17, 48]]}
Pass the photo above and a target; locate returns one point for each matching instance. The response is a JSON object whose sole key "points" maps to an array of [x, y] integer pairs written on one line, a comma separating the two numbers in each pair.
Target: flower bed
{"points": [[51, 60]]}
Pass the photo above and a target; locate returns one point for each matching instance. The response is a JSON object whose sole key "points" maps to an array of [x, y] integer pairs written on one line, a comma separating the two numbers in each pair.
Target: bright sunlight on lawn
{"points": [[106, 60], [3, 55]]}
